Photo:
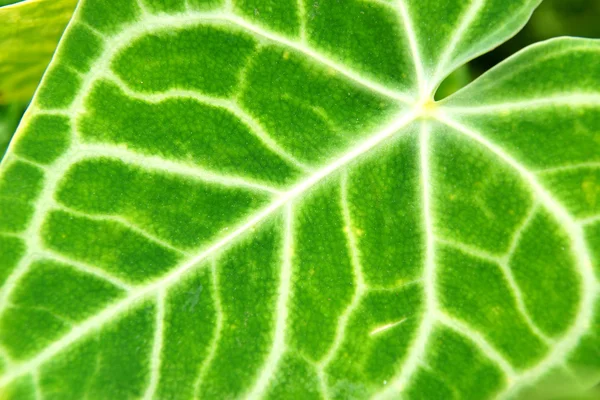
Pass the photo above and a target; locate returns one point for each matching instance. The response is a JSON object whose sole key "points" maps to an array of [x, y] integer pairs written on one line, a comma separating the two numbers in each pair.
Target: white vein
{"points": [[589, 283], [143, 8], [123, 222], [114, 45], [481, 342], [173, 277], [32, 233], [510, 279], [154, 23], [157, 346], [86, 268], [571, 100], [419, 343], [353, 76], [155, 163], [568, 168], [228, 6], [217, 332], [281, 314], [386, 327], [359, 280], [35, 377], [414, 47], [99, 34], [228, 105], [25, 160], [589, 220], [470, 250], [467, 19], [302, 20]]}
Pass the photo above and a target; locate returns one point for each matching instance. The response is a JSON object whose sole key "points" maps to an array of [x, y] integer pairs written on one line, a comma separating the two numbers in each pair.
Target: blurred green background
{"points": [[553, 18]]}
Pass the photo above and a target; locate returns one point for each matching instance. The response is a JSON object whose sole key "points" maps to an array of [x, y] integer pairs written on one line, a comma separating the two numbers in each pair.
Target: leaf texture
{"points": [[260, 199]]}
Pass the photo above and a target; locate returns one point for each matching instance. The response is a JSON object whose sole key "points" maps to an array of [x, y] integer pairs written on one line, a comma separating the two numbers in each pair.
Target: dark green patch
{"points": [[11, 249], [189, 326], [295, 379], [44, 139], [61, 86], [477, 199], [278, 15], [459, 366], [366, 36], [112, 363], [80, 48]]}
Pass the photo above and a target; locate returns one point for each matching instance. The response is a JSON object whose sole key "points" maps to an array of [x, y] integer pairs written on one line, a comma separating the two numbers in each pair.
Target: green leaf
{"points": [[29, 34], [220, 199]]}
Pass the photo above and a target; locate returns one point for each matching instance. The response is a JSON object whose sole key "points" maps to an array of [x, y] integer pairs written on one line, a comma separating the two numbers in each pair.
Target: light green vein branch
{"points": [[85, 268], [589, 220], [123, 222], [155, 360], [512, 283], [89, 151], [228, 105], [419, 343], [217, 332], [589, 283], [414, 47], [192, 263], [568, 168], [32, 234], [570, 100], [302, 19], [359, 280], [479, 340], [154, 23], [281, 315], [470, 250], [467, 19]]}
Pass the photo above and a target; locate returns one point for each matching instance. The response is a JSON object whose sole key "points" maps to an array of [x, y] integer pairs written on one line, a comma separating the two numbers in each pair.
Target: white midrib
{"points": [[419, 344], [142, 293]]}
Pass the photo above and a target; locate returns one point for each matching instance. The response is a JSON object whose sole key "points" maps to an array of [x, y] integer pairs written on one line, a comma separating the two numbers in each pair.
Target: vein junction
{"points": [[420, 114]]}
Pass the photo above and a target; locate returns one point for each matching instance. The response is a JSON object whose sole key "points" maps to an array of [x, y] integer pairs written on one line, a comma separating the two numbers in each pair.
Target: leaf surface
{"points": [[260, 199]]}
